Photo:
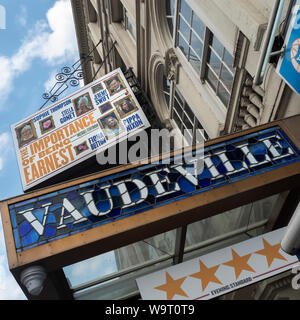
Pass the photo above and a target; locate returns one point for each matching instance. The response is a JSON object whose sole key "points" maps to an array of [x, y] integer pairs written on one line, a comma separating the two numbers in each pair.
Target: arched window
{"points": [[166, 90], [170, 14], [182, 113]]}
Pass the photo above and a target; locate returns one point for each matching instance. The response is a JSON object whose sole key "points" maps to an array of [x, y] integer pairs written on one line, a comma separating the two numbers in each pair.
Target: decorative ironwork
{"points": [[68, 77]]}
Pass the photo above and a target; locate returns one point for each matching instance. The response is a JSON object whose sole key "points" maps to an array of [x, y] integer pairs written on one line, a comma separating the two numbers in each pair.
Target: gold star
{"points": [[172, 287], [239, 263], [271, 252], [206, 275]]}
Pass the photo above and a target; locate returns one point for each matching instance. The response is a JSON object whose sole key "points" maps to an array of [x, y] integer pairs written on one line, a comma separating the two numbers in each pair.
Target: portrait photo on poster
{"points": [[105, 107], [114, 84], [81, 148], [126, 106], [83, 104], [26, 133], [98, 87], [110, 124], [47, 124]]}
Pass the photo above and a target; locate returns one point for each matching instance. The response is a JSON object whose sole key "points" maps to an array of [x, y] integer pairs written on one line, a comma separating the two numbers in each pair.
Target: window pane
{"points": [[131, 28], [195, 61], [166, 89], [196, 45], [170, 7], [198, 26], [188, 135], [170, 14], [179, 97], [178, 108], [189, 112], [182, 45], [186, 11], [171, 25], [177, 120], [187, 122], [184, 29], [166, 84], [218, 47], [200, 136], [228, 59], [223, 95], [214, 62], [226, 78], [212, 80], [203, 132], [167, 97]]}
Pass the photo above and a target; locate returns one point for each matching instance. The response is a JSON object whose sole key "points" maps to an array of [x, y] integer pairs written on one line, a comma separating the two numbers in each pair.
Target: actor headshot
{"points": [[98, 87], [114, 85], [126, 106], [111, 125], [26, 133], [82, 104]]}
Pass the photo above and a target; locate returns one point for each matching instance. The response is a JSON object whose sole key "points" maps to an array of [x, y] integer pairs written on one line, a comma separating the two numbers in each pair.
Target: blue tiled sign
{"points": [[84, 206]]}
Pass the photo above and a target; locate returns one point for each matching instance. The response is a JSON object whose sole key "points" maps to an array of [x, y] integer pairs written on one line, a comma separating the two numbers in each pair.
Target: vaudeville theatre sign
{"points": [[75, 220]]}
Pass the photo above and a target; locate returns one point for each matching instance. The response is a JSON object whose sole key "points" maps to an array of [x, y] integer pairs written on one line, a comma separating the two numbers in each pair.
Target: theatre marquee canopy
{"points": [[60, 136], [73, 221]]}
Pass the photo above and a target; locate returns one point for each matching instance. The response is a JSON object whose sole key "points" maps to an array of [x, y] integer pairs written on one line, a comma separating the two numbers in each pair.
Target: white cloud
{"points": [[51, 81], [9, 288], [22, 17], [53, 41], [6, 79], [6, 147], [61, 42]]}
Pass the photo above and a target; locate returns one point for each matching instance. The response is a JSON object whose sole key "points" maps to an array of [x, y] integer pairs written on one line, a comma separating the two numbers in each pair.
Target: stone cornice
{"points": [[82, 37]]}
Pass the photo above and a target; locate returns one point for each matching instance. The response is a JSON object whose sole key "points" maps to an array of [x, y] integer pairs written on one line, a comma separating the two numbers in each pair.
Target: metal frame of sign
{"points": [[83, 245]]}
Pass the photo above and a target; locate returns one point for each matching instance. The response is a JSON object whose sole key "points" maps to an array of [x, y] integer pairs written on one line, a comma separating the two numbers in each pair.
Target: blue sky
{"points": [[39, 39]]}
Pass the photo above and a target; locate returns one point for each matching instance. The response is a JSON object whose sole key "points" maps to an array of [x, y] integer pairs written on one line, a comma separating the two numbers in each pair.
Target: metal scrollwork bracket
{"points": [[69, 76]]}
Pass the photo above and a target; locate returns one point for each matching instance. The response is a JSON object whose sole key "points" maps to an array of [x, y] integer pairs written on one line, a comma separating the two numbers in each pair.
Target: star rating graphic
{"points": [[172, 287], [206, 275], [271, 252], [239, 263]]}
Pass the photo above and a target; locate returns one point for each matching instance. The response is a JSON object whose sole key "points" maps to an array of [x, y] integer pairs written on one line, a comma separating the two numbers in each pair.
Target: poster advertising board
{"points": [[94, 118]]}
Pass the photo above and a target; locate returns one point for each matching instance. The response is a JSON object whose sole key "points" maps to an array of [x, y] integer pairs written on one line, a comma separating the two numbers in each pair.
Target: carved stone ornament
{"points": [[171, 65]]}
